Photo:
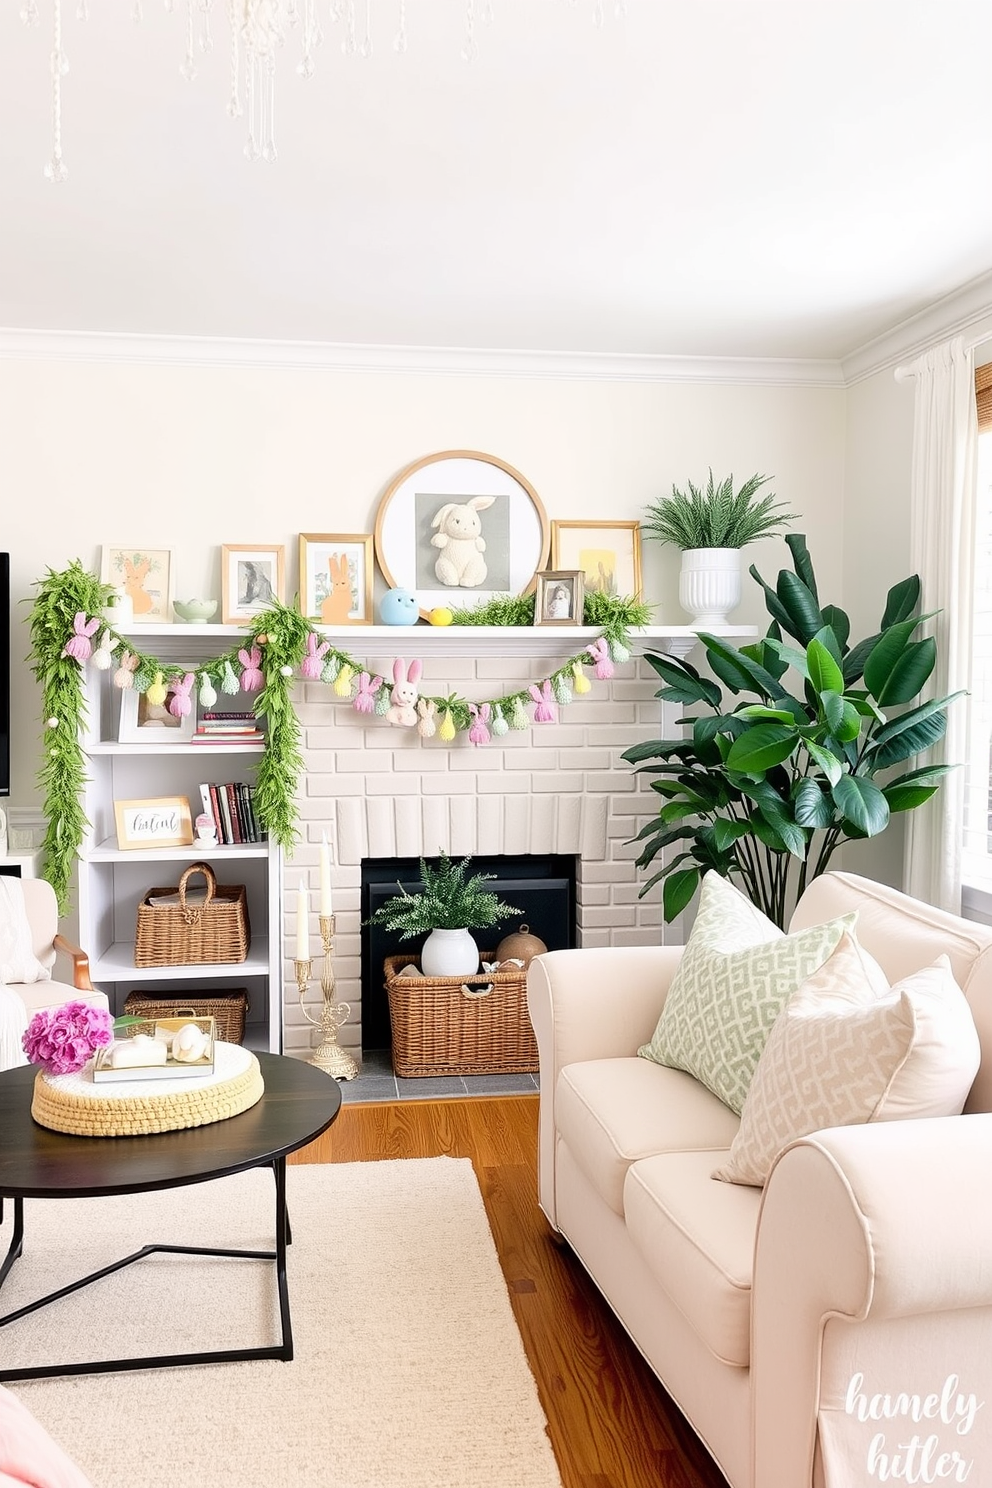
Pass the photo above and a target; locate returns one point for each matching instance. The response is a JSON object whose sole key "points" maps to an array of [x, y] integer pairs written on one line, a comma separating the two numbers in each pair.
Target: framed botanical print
{"points": [[608, 553]]}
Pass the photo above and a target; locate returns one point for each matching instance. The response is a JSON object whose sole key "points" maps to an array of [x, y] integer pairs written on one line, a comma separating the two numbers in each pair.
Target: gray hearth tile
{"points": [[500, 1084], [430, 1085], [368, 1088]]}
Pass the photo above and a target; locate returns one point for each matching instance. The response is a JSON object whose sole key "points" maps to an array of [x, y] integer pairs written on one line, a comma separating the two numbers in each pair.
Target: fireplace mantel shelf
{"points": [[545, 641]]}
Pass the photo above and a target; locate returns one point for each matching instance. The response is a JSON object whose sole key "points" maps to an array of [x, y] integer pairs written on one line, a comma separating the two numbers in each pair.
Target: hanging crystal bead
{"points": [[29, 13], [55, 170], [348, 45], [399, 40], [470, 50], [188, 68]]}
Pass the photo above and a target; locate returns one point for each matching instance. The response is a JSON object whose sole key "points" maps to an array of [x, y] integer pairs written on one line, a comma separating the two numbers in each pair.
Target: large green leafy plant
{"points": [[717, 517], [803, 755]]}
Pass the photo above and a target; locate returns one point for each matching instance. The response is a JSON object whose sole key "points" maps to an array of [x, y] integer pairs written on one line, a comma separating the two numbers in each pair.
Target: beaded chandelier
{"points": [[258, 28]]}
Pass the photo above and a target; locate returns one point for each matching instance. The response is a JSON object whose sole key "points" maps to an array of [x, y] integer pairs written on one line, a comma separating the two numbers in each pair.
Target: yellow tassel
{"points": [[342, 683], [447, 730], [158, 692], [582, 683]]}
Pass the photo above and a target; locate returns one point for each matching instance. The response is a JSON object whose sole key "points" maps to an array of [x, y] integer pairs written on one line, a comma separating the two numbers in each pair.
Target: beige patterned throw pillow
{"points": [[849, 1049], [737, 973]]}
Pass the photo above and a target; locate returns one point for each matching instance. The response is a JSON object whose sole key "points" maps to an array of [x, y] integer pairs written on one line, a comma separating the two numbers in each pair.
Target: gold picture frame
{"points": [[161, 821], [336, 577], [251, 577], [559, 597], [420, 546], [609, 554]]}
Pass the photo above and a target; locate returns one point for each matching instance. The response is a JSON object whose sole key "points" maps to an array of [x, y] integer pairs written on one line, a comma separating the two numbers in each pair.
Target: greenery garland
{"points": [[279, 643]]}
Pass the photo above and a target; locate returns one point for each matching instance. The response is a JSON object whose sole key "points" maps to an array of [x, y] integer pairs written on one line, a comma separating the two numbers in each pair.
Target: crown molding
{"points": [[965, 310], [440, 361]]}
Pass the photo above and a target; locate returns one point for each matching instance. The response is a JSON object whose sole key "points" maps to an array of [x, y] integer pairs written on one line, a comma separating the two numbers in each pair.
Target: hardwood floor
{"points": [[610, 1422]]}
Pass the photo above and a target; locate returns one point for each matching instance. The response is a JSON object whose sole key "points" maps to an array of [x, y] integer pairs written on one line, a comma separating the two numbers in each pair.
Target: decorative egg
{"points": [[440, 616], [189, 1044], [520, 946], [399, 607]]}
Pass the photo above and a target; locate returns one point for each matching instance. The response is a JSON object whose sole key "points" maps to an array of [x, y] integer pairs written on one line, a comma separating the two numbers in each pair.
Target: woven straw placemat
{"points": [[132, 1108]]}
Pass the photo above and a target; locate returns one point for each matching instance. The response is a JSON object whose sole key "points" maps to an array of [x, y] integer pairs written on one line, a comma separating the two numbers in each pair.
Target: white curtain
{"points": [[942, 535]]}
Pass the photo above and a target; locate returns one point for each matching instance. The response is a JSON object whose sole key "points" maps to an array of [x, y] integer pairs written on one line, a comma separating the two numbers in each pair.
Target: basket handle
{"points": [[192, 916], [474, 993]]}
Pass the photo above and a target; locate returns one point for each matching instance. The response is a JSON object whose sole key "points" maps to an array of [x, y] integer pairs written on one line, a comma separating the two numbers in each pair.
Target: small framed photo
{"points": [[250, 579], [142, 722], [336, 577], [608, 553], [146, 576], [162, 822], [559, 598]]}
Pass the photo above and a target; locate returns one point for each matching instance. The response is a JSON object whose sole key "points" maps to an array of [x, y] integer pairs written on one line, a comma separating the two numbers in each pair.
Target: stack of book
{"points": [[233, 811], [228, 728]]}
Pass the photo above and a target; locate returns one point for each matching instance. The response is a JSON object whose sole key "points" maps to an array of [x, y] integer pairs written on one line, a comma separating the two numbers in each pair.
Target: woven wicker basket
{"points": [[230, 1009], [183, 934], [439, 1028]]}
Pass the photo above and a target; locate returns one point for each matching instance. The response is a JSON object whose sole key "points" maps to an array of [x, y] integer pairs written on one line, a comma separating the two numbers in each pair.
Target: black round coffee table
{"points": [[299, 1103]]}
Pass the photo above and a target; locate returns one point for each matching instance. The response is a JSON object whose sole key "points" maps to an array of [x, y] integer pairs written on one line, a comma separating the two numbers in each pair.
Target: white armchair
{"points": [[24, 999]]}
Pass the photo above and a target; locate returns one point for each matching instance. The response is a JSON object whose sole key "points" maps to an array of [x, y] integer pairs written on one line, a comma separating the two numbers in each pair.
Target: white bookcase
{"points": [[112, 880]]}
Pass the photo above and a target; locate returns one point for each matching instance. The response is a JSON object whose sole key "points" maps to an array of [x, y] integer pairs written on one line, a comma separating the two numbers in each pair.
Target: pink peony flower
{"points": [[63, 1039]]}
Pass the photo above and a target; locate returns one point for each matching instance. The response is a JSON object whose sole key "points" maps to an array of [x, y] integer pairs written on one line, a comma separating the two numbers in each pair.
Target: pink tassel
{"points": [[251, 677], [312, 665], [180, 703], [545, 700], [79, 646], [367, 688], [600, 653], [479, 731]]}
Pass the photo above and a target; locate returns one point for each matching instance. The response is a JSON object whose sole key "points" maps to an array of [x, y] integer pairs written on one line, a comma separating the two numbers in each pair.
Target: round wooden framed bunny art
{"points": [[459, 528]]}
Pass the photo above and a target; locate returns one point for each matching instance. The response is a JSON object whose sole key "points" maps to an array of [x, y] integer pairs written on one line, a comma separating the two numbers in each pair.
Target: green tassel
{"points": [[619, 652], [518, 718], [562, 691], [499, 724], [383, 701], [331, 668], [228, 681]]}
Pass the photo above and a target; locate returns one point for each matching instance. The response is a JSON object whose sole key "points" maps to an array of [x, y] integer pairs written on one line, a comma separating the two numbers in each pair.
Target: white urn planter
{"points": [[449, 953], [710, 584]]}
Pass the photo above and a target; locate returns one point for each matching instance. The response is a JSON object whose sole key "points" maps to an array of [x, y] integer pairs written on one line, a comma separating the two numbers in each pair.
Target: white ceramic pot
{"points": [[710, 584], [449, 953]]}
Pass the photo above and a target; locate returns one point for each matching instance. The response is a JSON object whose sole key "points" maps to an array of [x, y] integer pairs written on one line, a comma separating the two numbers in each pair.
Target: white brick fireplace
{"points": [[379, 791]]}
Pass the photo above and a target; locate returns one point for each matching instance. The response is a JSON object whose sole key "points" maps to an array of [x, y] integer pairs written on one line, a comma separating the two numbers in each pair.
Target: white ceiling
{"points": [[696, 177]]}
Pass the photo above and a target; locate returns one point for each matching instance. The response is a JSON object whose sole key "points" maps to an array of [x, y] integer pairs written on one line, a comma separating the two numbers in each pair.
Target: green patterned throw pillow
{"points": [[737, 973]]}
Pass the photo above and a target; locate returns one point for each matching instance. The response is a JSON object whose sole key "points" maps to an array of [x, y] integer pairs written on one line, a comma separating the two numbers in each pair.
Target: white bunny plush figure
{"points": [[460, 562], [402, 709]]}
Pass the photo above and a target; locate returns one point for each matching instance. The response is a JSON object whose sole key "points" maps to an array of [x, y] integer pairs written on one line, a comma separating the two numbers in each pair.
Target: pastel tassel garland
{"points": [[208, 693], [499, 723], [562, 691], [228, 681], [383, 702], [619, 652], [600, 654], [331, 668], [518, 718]]}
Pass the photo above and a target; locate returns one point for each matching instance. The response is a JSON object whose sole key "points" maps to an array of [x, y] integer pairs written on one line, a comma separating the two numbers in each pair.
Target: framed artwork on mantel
{"points": [[145, 575], [336, 577], [250, 579], [459, 528], [608, 553]]}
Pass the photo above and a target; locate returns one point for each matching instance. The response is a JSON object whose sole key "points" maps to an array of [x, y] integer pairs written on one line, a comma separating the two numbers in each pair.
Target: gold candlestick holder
{"points": [[328, 1055]]}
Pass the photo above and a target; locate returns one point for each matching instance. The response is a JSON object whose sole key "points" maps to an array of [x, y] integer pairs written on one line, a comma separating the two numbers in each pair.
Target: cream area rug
{"points": [[409, 1371]]}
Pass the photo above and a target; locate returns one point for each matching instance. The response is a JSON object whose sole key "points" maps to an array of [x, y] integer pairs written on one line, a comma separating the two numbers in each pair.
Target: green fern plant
{"points": [[716, 517], [449, 901]]}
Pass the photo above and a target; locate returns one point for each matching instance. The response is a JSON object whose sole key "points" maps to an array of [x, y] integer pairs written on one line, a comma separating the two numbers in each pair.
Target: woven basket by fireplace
{"points": [[454, 1026]]}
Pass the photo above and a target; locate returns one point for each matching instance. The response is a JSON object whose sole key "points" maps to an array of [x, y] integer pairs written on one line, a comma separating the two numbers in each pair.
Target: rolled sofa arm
{"points": [[601, 1003], [884, 1221]]}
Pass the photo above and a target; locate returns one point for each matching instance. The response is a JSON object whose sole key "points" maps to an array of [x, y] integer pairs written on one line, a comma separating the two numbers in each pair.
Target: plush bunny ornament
{"points": [[402, 709], [460, 563]]}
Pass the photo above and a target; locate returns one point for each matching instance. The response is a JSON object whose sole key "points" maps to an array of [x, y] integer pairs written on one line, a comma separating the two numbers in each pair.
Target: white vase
{"points": [[449, 953], [710, 584]]}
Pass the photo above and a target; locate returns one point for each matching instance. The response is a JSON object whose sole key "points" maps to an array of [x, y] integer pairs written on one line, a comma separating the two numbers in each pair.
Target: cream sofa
{"points": [[775, 1318], [28, 998]]}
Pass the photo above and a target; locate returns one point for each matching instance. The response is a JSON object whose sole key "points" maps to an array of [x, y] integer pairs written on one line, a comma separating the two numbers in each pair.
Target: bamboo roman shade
{"points": [[983, 397]]}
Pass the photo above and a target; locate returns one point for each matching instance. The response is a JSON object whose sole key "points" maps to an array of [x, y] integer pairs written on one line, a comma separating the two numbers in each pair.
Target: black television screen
{"points": [[4, 674]]}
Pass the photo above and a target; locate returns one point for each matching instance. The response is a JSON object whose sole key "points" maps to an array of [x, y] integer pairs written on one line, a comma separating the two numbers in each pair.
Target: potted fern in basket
{"points": [[710, 527], [449, 906]]}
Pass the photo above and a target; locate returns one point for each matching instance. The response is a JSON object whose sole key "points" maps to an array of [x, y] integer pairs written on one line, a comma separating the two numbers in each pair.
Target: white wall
{"points": [[191, 458]]}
